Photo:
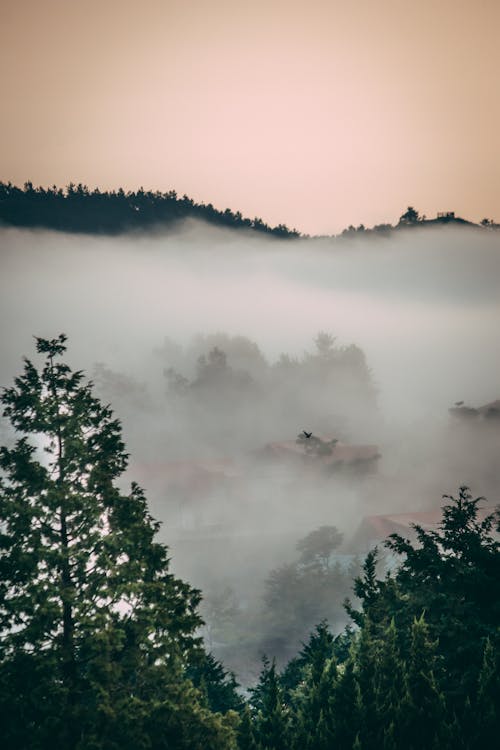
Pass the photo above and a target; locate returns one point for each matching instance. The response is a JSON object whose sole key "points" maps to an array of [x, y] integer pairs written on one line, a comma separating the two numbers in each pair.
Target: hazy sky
{"points": [[318, 114]]}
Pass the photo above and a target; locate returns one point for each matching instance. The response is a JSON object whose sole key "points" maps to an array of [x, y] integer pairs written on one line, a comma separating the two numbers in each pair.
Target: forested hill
{"points": [[76, 208]]}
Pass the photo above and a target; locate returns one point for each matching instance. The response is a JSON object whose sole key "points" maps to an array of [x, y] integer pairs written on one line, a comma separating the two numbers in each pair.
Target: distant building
{"points": [[489, 412], [193, 494], [375, 529], [359, 459]]}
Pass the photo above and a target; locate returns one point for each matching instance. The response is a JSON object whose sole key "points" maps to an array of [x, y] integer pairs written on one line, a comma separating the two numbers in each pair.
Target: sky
{"points": [[316, 114]]}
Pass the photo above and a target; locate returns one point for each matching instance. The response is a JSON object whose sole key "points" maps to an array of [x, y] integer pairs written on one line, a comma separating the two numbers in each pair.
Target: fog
{"points": [[413, 318]]}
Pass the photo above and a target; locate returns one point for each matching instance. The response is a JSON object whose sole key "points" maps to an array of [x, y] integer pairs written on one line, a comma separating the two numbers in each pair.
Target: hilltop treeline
{"points": [[76, 208]]}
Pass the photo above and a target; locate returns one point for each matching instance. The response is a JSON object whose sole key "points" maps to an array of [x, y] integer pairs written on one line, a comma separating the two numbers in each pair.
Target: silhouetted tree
{"points": [[410, 216]]}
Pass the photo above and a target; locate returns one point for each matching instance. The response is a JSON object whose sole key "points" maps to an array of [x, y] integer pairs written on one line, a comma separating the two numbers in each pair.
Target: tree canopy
{"points": [[420, 670], [76, 208]]}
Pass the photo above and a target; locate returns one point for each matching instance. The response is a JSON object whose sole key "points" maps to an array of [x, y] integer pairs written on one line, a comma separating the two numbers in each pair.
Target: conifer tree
{"points": [[389, 688], [92, 623], [366, 673], [423, 707], [488, 697], [451, 573], [246, 737], [271, 723], [346, 708], [313, 727]]}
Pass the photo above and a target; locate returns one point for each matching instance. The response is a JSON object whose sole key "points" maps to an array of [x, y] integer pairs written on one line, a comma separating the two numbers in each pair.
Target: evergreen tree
{"points": [[246, 737], [271, 723], [219, 685], [320, 647], [450, 574], [488, 697], [313, 725], [346, 708], [92, 623], [423, 706], [366, 672], [389, 689]]}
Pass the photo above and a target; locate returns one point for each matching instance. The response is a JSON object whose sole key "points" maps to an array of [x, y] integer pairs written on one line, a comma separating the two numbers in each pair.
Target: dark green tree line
{"points": [[76, 208]]}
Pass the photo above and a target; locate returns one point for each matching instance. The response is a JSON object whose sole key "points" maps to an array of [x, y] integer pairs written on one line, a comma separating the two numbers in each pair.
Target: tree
{"points": [[410, 216], [218, 685], [325, 344], [366, 662], [246, 737], [316, 548], [423, 706], [488, 715], [450, 574], [313, 721], [271, 722], [89, 612], [346, 707], [389, 689]]}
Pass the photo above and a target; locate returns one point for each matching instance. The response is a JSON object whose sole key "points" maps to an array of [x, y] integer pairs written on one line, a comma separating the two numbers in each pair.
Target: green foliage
{"points": [[422, 671], [96, 633], [423, 705], [271, 718], [488, 695], [246, 737], [389, 688], [366, 673], [219, 685], [450, 575], [346, 707]]}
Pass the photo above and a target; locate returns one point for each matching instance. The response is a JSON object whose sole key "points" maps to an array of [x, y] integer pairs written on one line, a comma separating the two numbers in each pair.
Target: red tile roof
{"points": [[341, 453]]}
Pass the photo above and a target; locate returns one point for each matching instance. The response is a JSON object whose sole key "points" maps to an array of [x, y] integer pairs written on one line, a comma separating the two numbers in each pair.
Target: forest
{"points": [[101, 644], [78, 209]]}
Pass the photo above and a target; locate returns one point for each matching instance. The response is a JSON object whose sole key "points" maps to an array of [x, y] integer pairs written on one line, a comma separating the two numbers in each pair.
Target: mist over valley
{"points": [[217, 350]]}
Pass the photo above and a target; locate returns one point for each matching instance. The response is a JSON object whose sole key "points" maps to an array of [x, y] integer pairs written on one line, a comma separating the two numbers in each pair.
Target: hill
{"points": [[78, 209]]}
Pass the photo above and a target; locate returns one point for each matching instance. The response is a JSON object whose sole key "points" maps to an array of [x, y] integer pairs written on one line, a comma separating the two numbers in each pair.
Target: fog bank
{"points": [[206, 345]]}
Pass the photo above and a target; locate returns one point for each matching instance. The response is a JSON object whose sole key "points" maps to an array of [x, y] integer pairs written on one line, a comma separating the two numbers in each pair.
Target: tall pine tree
{"points": [[95, 631]]}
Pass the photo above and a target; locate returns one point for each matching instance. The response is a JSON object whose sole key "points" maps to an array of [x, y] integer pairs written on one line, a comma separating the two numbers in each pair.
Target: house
{"points": [[323, 454], [488, 412], [373, 530], [192, 494]]}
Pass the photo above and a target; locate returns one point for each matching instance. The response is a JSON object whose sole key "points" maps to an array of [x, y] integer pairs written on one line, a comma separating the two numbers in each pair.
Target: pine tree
{"points": [[219, 685], [90, 616], [366, 673], [346, 708], [450, 574], [313, 725], [271, 724], [488, 697], [246, 737], [423, 706], [389, 688]]}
